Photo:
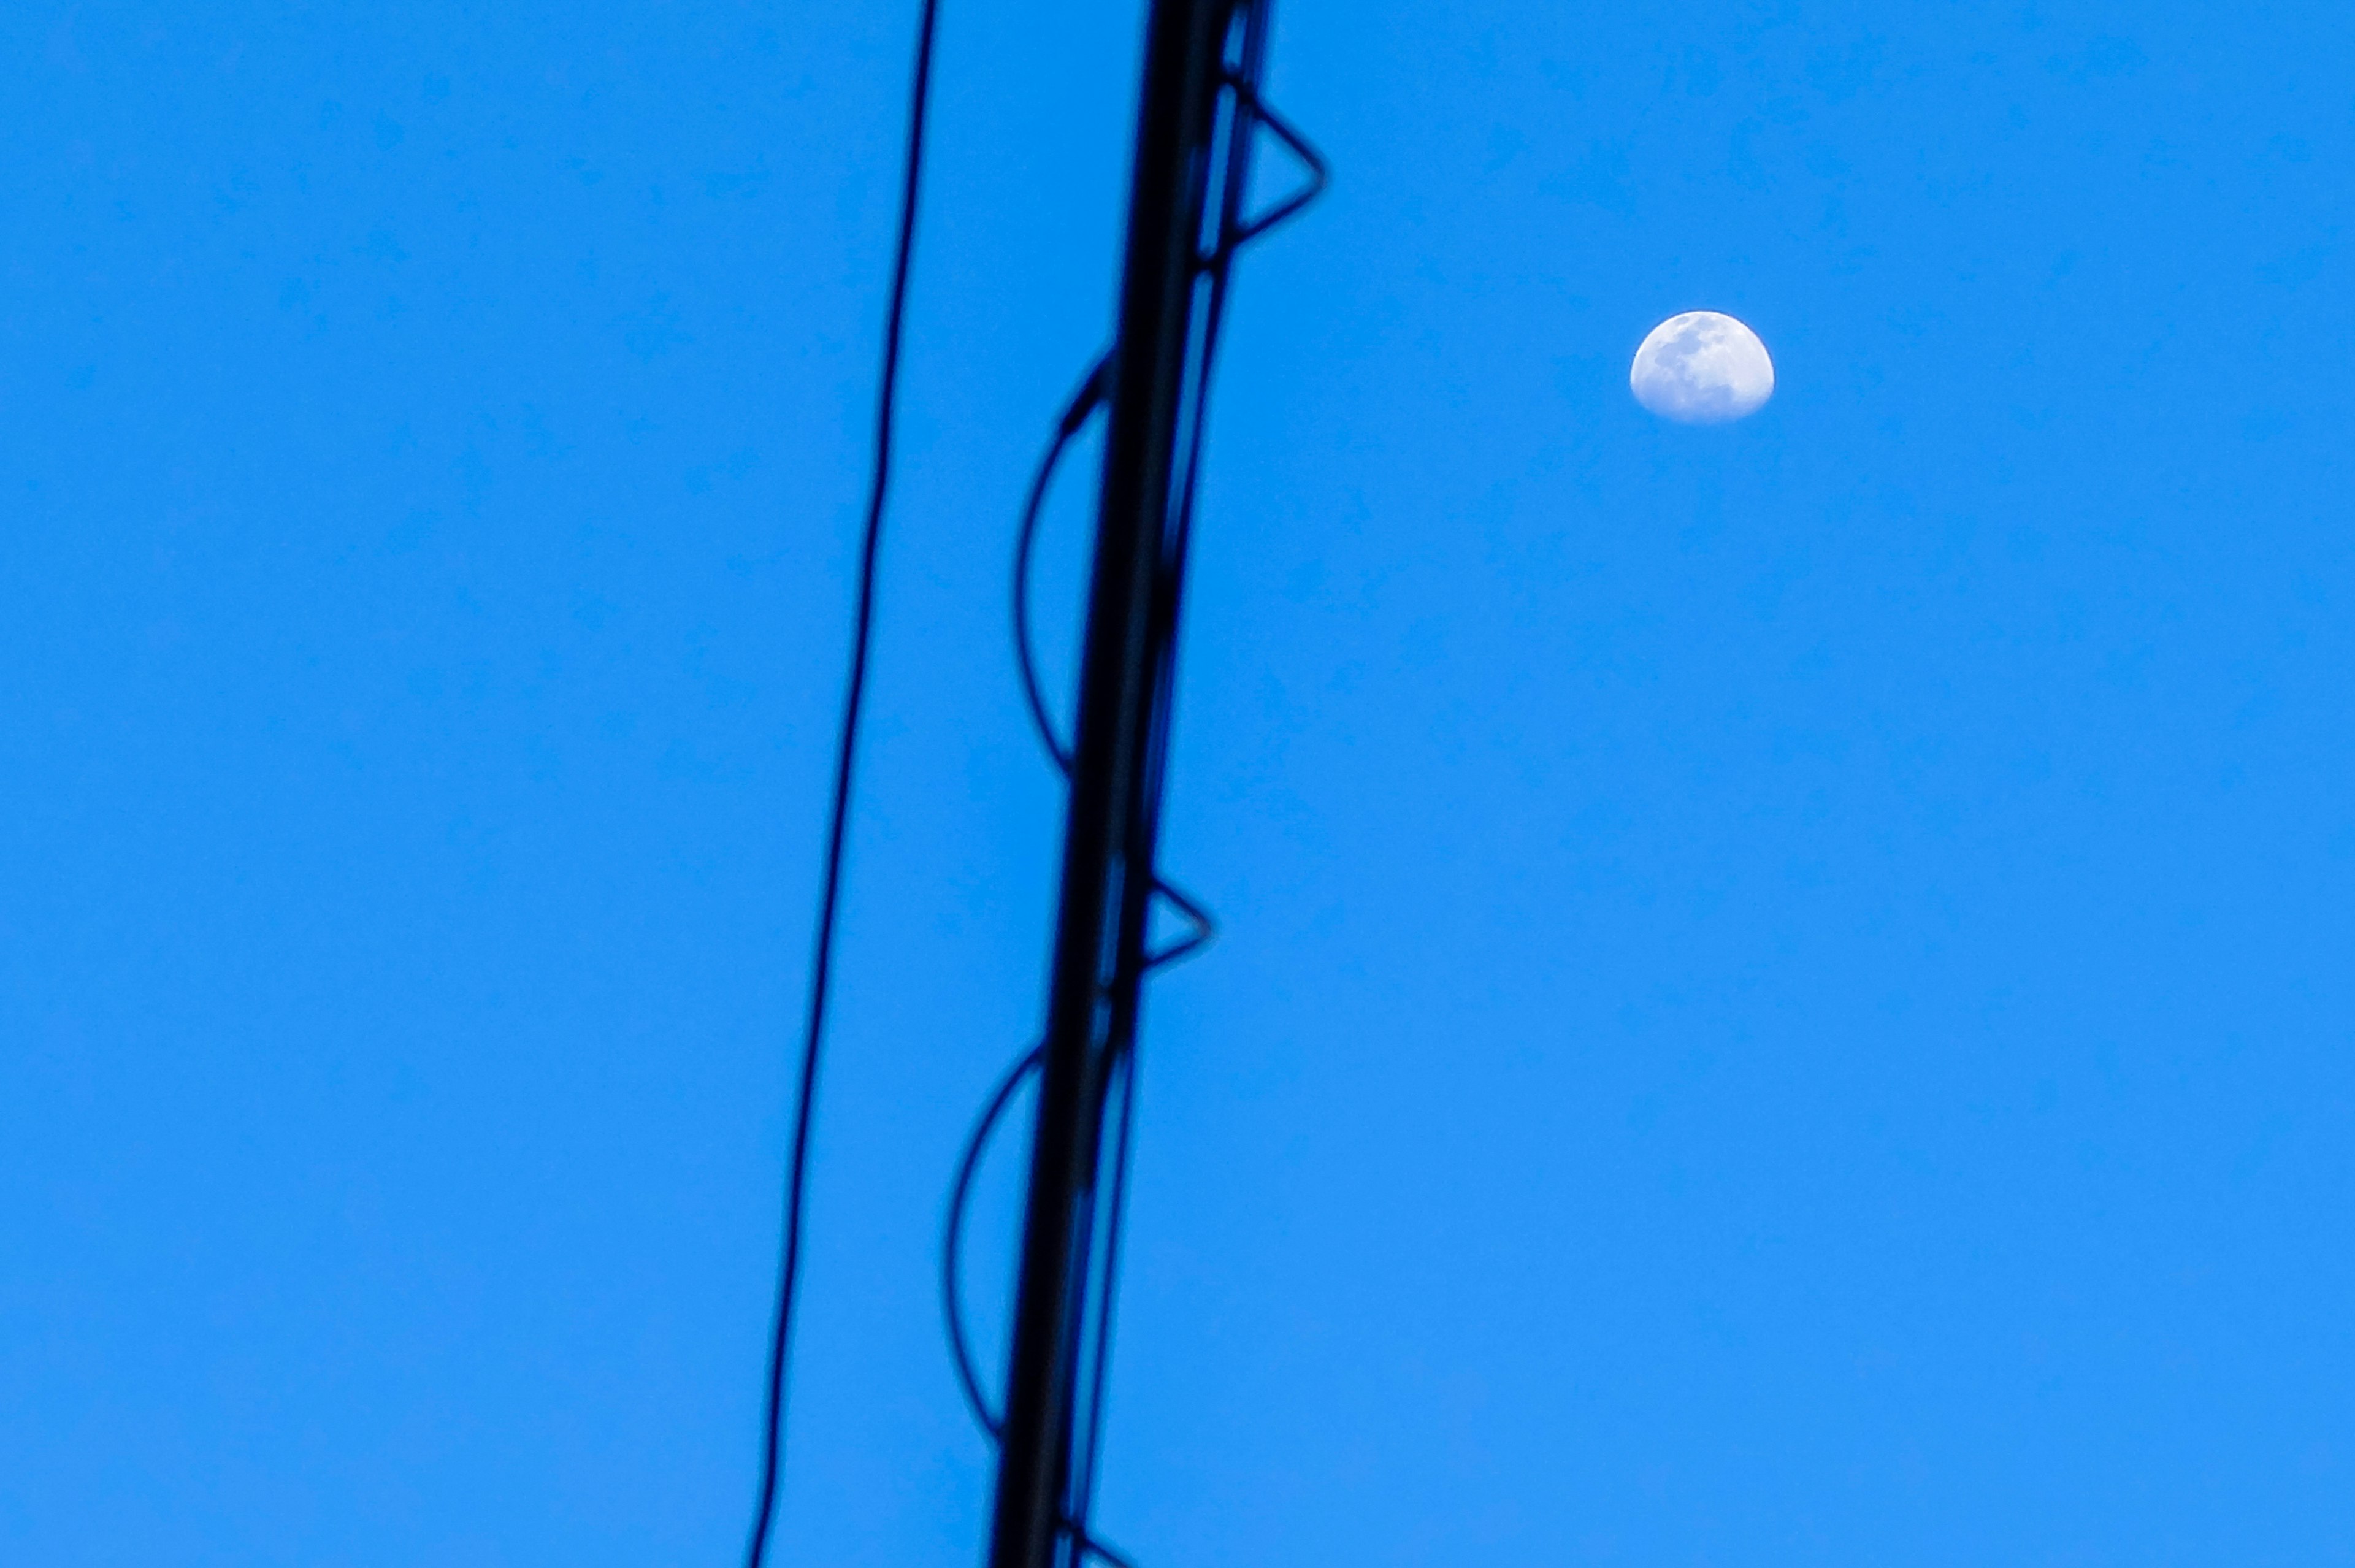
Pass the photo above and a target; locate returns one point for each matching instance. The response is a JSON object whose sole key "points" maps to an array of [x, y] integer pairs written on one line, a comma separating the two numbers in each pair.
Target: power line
{"points": [[1228, 231], [1198, 114], [845, 752], [1068, 425]]}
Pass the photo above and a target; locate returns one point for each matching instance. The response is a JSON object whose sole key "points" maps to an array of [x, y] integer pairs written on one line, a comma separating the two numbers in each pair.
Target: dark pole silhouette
{"points": [[1198, 114]]}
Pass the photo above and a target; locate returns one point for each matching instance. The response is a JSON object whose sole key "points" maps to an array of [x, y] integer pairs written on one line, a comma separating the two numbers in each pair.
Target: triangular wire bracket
{"points": [[1248, 99]]}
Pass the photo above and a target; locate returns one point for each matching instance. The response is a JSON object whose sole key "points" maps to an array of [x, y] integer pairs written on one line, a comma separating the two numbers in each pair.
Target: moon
{"points": [[1701, 367]]}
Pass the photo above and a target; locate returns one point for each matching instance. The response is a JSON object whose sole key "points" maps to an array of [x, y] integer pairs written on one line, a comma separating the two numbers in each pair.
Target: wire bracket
{"points": [[1319, 173]]}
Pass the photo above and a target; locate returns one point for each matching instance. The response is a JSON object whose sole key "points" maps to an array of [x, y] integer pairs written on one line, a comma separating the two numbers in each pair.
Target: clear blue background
{"points": [[1786, 989]]}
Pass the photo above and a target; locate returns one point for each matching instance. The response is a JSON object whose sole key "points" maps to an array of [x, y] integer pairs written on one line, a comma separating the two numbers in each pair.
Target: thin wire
{"points": [[1075, 415], [854, 700], [1085, 1482], [1074, 419], [1094, 1547], [1319, 173], [952, 1242]]}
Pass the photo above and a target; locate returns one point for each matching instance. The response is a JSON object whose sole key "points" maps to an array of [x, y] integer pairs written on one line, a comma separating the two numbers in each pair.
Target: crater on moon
{"points": [[1701, 367]]}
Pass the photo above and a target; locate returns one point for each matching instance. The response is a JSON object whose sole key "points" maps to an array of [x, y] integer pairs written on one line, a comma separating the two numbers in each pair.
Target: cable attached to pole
{"points": [[1230, 231], [846, 753]]}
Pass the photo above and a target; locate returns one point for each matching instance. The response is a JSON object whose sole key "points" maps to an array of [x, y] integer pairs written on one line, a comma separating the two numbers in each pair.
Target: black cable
{"points": [[1073, 420], [952, 1234], [854, 698], [952, 1311], [1233, 232], [1075, 415]]}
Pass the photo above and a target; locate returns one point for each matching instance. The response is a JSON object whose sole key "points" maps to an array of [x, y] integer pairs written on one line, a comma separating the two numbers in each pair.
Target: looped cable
{"points": [[951, 1298], [1074, 417], [1084, 404], [951, 1240], [1237, 74]]}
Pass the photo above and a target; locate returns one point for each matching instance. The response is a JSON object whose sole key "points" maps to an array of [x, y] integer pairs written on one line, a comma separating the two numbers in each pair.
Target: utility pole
{"points": [[1198, 114]]}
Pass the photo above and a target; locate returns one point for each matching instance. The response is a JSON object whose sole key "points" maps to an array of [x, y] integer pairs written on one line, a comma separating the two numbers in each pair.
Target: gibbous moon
{"points": [[1701, 367]]}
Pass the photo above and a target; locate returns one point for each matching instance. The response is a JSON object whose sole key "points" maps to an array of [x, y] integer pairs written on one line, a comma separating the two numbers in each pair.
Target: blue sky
{"points": [[1785, 993]]}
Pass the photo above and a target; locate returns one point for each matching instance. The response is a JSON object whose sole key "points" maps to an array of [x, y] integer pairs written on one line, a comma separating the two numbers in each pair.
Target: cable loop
{"points": [[951, 1298], [1074, 417], [952, 1238], [1252, 112]]}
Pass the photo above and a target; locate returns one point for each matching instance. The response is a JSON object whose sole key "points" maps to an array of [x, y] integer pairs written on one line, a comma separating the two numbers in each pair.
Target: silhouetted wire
{"points": [[1233, 232], [952, 1299], [1095, 1548], [854, 700], [951, 1302], [1074, 417], [1320, 173], [1084, 1488], [1073, 420]]}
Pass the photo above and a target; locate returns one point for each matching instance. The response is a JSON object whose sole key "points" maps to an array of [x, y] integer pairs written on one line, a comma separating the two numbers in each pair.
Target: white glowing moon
{"points": [[1701, 367]]}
